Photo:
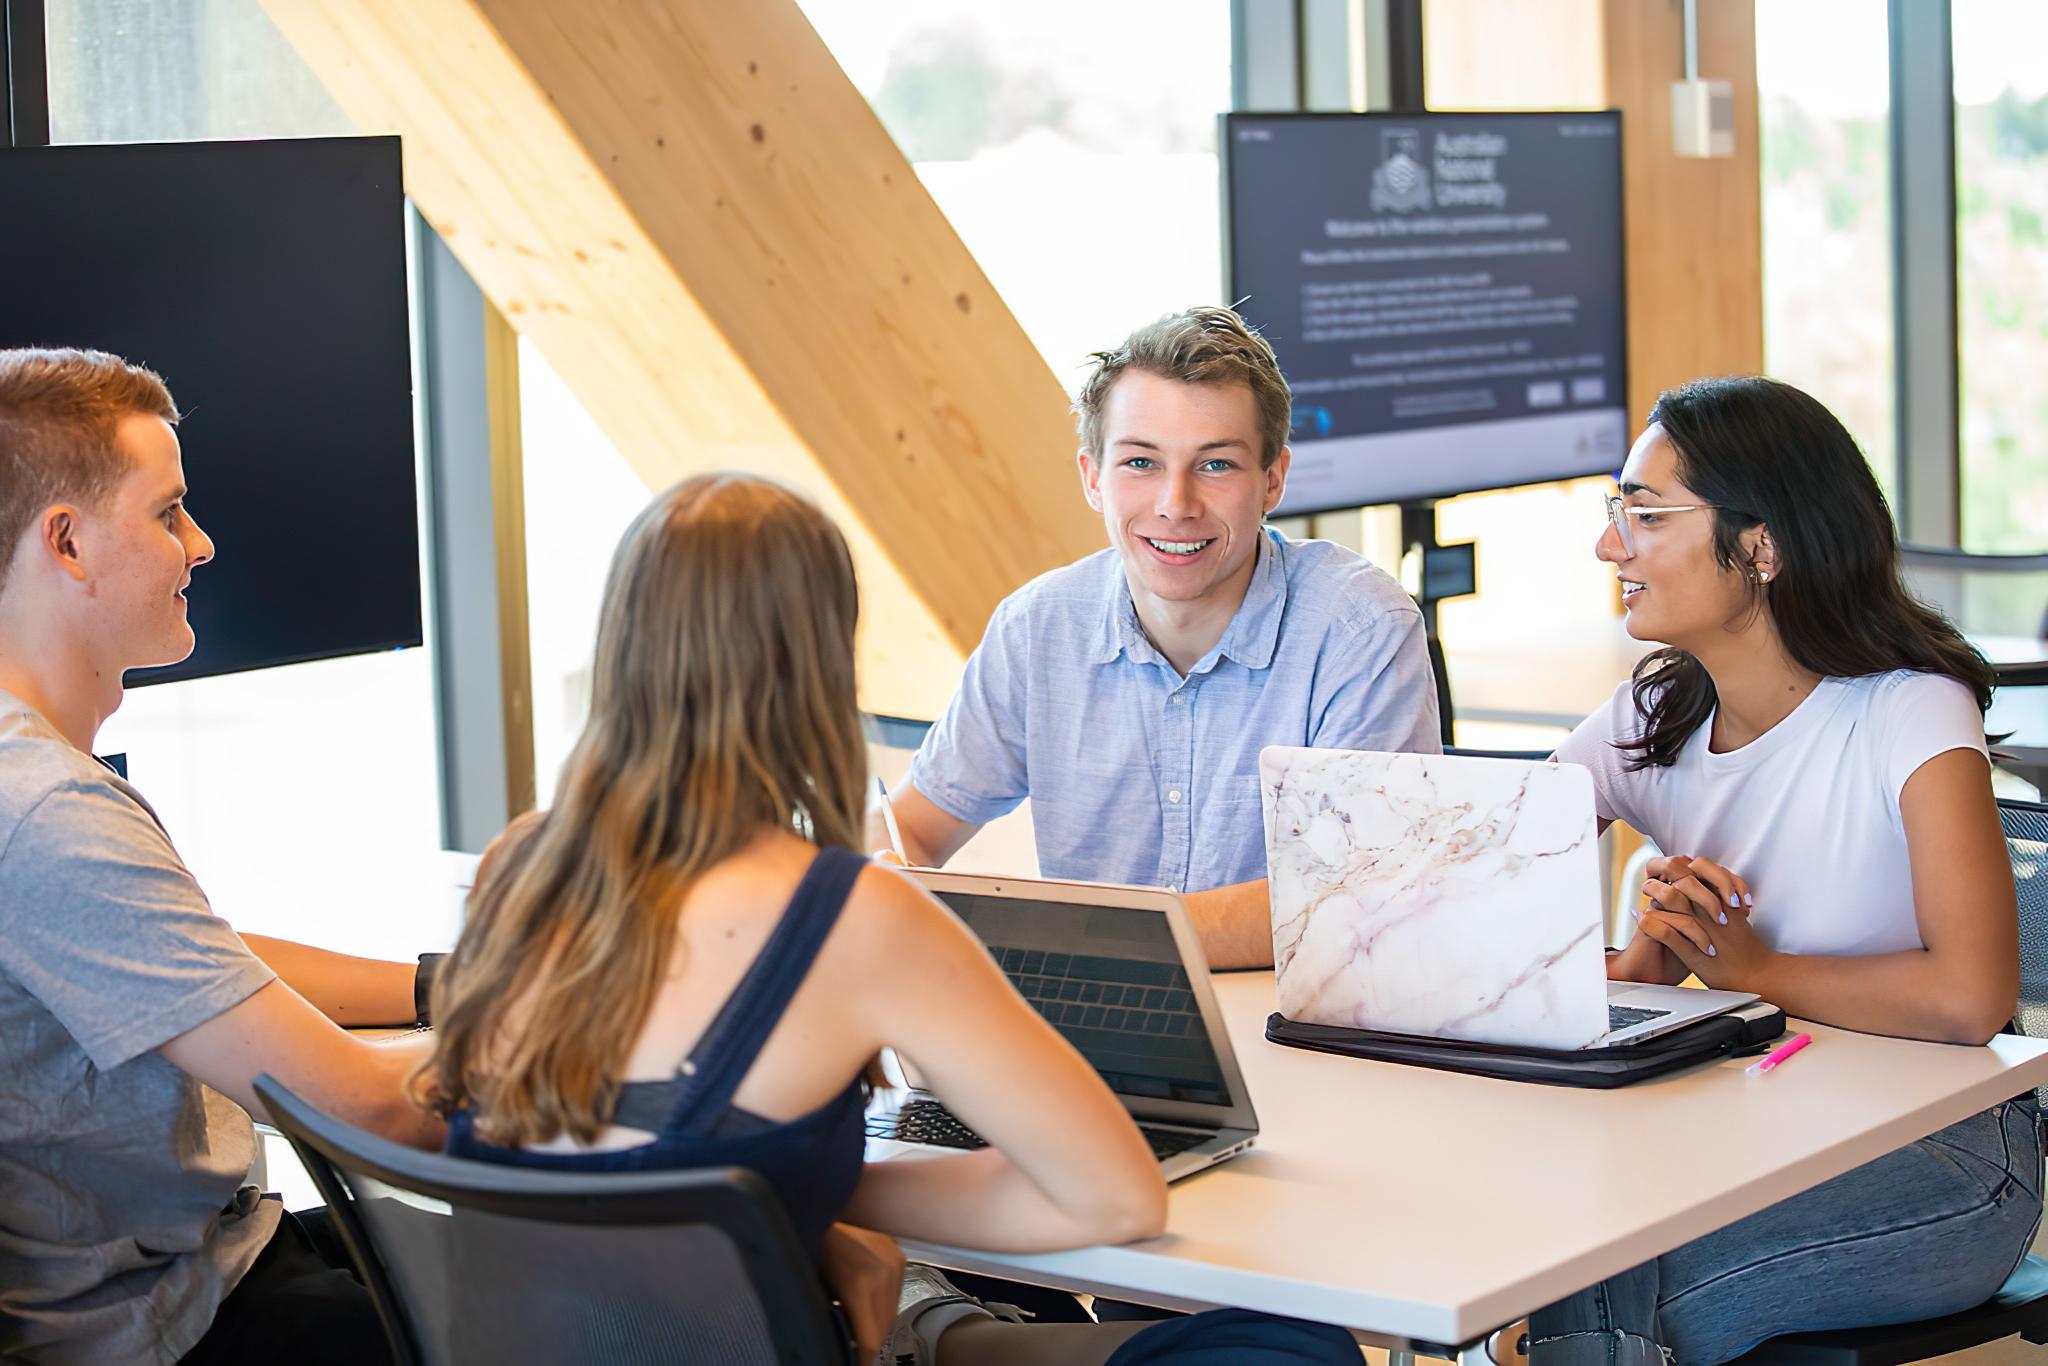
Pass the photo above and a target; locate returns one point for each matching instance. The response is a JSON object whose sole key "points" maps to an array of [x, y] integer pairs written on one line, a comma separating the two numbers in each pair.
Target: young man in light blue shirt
{"points": [[1128, 694]]}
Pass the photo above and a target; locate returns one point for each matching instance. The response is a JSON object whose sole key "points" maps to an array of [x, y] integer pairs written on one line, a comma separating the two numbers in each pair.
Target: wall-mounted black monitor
{"points": [[265, 281], [1444, 291]]}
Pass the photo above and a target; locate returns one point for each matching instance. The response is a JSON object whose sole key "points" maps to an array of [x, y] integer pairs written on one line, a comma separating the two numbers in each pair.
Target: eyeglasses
{"points": [[1626, 519]]}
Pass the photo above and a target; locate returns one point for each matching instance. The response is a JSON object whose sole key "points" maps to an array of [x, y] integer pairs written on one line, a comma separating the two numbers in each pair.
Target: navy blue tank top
{"points": [[813, 1162]]}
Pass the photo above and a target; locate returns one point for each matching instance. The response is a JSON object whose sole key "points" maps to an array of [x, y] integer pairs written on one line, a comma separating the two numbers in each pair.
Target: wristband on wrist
{"points": [[423, 986]]}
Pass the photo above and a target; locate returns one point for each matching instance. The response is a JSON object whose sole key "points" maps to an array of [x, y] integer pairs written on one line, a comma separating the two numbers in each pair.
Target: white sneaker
{"points": [[928, 1306]]}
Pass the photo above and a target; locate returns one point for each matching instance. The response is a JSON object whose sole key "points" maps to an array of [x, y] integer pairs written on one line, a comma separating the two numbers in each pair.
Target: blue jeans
{"points": [[1931, 1229]]}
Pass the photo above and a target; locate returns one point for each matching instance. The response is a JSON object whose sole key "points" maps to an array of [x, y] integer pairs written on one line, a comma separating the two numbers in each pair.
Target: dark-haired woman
{"points": [[1809, 750]]}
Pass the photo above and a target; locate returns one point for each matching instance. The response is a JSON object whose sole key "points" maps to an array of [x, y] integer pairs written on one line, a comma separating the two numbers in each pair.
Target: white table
{"points": [[1422, 1207]]}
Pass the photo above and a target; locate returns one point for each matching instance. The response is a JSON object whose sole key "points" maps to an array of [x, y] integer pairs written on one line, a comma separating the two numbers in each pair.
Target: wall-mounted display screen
{"points": [[265, 281], [1444, 291]]}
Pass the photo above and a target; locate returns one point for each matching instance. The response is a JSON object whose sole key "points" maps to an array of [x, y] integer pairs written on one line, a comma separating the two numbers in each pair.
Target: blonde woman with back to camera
{"points": [[687, 963]]}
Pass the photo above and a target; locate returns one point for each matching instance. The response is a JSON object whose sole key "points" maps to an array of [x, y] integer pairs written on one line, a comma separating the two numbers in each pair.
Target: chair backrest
{"points": [[2026, 843], [1440, 669], [475, 1262], [1532, 756], [1999, 595], [893, 732]]}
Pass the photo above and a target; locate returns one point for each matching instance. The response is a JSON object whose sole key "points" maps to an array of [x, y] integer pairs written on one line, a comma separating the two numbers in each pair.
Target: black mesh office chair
{"points": [[1996, 595], [2021, 1305], [475, 1263]]}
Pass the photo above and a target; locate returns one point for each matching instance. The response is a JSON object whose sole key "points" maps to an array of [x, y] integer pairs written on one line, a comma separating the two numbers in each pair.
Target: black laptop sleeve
{"points": [[1738, 1032]]}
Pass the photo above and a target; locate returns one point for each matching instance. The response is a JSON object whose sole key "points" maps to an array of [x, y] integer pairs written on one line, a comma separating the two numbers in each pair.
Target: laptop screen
{"points": [[1110, 979]]}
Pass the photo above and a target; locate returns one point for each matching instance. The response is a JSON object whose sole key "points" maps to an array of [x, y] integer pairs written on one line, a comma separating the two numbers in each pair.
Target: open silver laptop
{"points": [[1449, 896], [1119, 972]]}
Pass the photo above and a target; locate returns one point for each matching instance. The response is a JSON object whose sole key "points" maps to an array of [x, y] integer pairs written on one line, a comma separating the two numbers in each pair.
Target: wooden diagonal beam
{"points": [[704, 228]]}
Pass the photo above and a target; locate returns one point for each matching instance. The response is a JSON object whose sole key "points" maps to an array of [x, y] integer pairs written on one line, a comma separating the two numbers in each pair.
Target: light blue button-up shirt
{"points": [[1138, 775]]}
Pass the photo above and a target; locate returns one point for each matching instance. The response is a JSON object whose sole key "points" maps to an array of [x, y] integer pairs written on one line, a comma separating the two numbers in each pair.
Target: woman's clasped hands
{"points": [[1698, 916]]}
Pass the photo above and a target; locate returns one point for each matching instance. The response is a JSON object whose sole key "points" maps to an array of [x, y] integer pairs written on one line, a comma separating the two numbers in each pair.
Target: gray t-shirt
{"points": [[121, 1229]]}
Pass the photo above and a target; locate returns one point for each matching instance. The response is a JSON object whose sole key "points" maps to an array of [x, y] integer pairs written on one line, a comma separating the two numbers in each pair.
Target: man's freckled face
{"points": [[1179, 483]]}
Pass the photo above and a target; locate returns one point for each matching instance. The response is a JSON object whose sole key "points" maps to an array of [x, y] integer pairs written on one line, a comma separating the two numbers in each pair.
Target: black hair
{"points": [[1765, 453]]}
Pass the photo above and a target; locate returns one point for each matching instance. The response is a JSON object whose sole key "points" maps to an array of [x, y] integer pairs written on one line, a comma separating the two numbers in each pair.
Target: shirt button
{"points": [[1179, 700], [1174, 796]]}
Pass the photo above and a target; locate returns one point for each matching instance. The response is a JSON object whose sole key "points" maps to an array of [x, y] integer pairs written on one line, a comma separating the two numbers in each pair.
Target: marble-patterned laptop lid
{"points": [[1440, 895]]}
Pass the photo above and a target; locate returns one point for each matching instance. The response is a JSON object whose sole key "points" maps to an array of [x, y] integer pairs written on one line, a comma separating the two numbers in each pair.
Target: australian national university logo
{"points": [[1402, 182]]}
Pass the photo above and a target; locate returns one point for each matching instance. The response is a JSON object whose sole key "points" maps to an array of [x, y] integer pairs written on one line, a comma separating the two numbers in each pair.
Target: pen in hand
{"points": [[889, 822]]}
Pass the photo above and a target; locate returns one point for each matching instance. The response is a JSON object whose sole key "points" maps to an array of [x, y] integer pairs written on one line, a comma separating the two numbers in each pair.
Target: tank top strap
{"points": [[726, 1052]]}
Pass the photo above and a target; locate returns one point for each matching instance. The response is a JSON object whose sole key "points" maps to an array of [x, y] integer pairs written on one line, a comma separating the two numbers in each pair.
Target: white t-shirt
{"points": [[1807, 813]]}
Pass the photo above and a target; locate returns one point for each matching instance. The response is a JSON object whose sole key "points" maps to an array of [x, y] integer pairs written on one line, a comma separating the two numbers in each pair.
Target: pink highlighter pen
{"points": [[1777, 1055]]}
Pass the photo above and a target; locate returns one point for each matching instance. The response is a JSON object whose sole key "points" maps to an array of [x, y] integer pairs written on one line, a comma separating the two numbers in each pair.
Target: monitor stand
{"points": [[1448, 571]]}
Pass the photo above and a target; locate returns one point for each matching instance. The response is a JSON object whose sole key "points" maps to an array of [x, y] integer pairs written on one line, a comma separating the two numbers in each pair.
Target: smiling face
{"points": [[1674, 589], [140, 549], [1180, 488]]}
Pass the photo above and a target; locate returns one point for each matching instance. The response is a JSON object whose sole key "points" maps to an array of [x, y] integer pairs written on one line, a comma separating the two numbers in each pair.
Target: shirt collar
{"points": [[1251, 637], [1254, 632]]}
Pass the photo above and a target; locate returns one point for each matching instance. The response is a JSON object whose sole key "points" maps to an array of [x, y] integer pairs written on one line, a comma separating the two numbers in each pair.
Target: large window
{"points": [[302, 796], [1827, 210], [580, 496], [1071, 143], [170, 70], [2001, 91]]}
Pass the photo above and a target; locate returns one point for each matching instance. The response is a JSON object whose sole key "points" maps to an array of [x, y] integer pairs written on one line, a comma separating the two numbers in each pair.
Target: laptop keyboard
{"points": [[1625, 1017], [1082, 991], [931, 1123]]}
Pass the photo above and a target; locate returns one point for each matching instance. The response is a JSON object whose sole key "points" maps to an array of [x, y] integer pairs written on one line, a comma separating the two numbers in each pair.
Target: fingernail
{"points": [[1734, 901], [1637, 914], [1710, 952], [1748, 900], [1724, 917]]}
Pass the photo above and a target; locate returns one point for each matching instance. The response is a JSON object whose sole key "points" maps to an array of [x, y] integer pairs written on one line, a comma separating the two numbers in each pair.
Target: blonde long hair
{"points": [[722, 703]]}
